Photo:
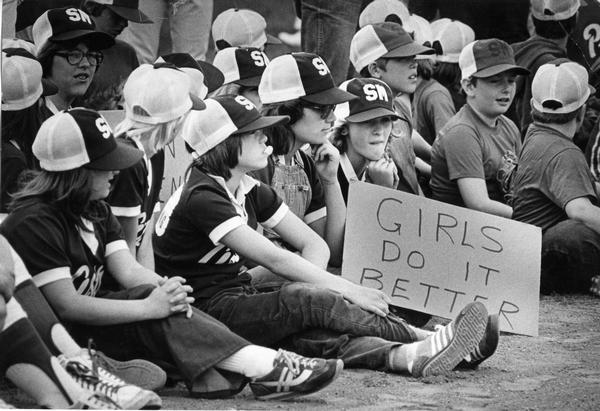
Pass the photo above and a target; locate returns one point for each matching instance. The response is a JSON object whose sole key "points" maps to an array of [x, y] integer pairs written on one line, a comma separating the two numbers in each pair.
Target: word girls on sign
{"points": [[435, 258]]}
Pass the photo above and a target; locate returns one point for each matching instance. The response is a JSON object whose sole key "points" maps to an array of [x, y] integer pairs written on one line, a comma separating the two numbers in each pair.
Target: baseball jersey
{"points": [[135, 190], [468, 147], [316, 209], [54, 249], [194, 220], [552, 171]]}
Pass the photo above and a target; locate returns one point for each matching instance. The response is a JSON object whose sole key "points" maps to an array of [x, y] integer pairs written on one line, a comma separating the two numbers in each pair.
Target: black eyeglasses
{"points": [[324, 110], [74, 57]]}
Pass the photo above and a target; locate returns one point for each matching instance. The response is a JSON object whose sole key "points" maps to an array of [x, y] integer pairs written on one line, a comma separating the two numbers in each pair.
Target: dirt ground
{"points": [[560, 369]]}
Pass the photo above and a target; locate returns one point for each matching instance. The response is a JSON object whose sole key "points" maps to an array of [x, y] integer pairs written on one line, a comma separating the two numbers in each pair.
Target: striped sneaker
{"points": [[486, 347], [451, 343], [294, 375]]}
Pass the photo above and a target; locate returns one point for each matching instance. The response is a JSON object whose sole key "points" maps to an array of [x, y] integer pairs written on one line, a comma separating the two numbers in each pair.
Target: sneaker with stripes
{"points": [[107, 387], [449, 344], [486, 347], [294, 375]]}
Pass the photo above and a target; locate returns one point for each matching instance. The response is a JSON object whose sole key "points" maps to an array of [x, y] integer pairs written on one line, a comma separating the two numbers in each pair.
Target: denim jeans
{"points": [[192, 345], [327, 30], [312, 321], [189, 29], [570, 257]]}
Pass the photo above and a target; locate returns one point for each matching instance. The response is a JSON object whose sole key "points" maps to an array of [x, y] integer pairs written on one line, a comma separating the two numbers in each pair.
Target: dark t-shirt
{"points": [[106, 90], [197, 216], [136, 189], [13, 164], [54, 249], [552, 171], [432, 108], [468, 147]]}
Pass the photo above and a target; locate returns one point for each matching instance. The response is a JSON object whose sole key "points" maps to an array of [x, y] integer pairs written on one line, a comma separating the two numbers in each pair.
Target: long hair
{"points": [[21, 126], [339, 136], [159, 135], [281, 136], [70, 191]]}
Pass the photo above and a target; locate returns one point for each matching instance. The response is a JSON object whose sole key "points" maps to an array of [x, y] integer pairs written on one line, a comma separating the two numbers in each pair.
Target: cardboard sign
{"points": [[177, 158], [435, 257]]}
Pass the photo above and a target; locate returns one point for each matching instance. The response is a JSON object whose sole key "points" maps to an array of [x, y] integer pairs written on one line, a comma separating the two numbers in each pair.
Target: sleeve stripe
{"points": [[126, 211], [276, 217], [315, 215], [224, 228], [115, 246], [50, 276]]}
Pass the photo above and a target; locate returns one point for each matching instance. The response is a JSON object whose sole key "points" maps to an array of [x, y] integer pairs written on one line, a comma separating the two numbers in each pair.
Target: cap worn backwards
{"points": [[81, 138], [158, 93], [486, 58], [449, 38], [224, 116], [379, 11], [560, 87], [22, 83], [68, 23], [299, 75], [241, 28], [383, 40], [241, 65], [554, 10], [375, 100]]}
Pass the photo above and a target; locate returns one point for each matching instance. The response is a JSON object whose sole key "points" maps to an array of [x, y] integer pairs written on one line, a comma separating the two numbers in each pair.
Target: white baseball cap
{"points": [[158, 93], [241, 28], [554, 9], [379, 11], [419, 28], [224, 116], [81, 137], [560, 87], [449, 38]]}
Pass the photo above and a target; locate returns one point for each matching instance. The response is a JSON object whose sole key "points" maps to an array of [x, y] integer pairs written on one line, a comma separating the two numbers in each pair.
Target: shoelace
{"points": [[294, 361], [100, 366], [97, 402], [89, 379]]}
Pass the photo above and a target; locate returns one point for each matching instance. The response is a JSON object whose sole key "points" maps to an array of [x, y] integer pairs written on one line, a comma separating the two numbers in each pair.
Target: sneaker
{"points": [[142, 373], [95, 402], [452, 342], [486, 347], [101, 382], [294, 375]]}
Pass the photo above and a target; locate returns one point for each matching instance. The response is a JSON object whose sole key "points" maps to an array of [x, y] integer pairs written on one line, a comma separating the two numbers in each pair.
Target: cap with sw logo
{"points": [[224, 116], [81, 138], [300, 75], [374, 100], [243, 66]]}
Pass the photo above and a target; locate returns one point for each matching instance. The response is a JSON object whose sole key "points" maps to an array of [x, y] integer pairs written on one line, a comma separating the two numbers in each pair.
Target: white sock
{"points": [[252, 361]]}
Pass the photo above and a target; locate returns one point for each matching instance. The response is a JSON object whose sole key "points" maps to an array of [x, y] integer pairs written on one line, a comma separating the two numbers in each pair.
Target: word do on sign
{"points": [[435, 257]]}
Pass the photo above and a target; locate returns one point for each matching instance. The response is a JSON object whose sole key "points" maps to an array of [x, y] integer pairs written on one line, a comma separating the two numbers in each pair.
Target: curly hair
{"points": [[282, 137]]}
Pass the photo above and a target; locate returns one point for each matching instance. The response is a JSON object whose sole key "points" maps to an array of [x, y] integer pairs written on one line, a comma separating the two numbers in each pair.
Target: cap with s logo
{"points": [[81, 138], [68, 23], [243, 66], [224, 116], [300, 75], [375, 100], [486, 58]]}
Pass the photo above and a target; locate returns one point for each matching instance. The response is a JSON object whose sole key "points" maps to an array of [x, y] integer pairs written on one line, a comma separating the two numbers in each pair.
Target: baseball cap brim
{"points": [[272, 39], [122, 157], [408, 50], [330, 96], [97, 40], [197, 103], [213, 77], [131, 14], [262, 122], [372, 114], [249, 82], [500, 68]]}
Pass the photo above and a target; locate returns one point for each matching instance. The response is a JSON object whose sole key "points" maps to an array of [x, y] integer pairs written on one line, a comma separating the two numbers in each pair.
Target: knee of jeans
{"points": [[308, 296]]}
